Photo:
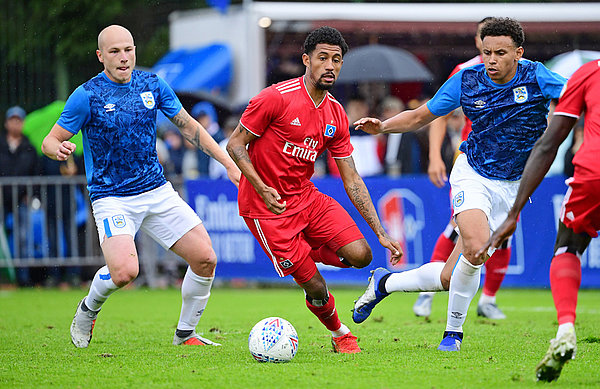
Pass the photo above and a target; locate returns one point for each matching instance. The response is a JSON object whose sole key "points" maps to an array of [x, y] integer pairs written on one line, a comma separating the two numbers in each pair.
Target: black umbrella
{"points": [[384, 64]]}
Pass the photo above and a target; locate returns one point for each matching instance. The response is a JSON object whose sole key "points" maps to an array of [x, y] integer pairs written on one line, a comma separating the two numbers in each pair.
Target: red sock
{"points": [[327, 256], [442, 249], [495, 270], [327, 314], [565, 278]]}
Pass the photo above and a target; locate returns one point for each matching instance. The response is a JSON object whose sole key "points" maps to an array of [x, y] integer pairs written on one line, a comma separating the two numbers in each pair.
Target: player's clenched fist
{"points": [[65, 149]]}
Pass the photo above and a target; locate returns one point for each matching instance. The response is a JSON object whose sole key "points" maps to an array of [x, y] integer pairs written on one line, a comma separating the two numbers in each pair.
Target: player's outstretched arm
{"points": [[437, 168], [537, 166], [236, 147], [56, 144], [197, 135], [405, 121], [359, 195]]}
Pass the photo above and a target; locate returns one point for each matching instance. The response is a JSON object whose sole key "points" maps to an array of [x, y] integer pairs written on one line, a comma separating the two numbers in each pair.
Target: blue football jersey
{"points": [[507, 118], [118, 123]]}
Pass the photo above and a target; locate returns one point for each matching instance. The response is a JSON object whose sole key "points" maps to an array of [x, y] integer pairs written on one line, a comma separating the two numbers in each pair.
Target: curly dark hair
{"points": [[504, 27], [327, 35]]}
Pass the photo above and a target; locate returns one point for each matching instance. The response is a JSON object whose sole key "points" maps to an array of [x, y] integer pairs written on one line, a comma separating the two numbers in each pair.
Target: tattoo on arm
{"points": [[240, 154], [182, 121]]}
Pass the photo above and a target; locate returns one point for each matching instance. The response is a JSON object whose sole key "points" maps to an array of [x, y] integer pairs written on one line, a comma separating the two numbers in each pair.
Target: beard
{"points": [[321, 86]]}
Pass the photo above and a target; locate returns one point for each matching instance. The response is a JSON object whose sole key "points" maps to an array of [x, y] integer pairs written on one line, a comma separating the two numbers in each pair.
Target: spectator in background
{"points": [[389, 107], [367, 158], [405, 153], [205, 113], [215, 169], [17, 158], [174, 142], [60, 225]]}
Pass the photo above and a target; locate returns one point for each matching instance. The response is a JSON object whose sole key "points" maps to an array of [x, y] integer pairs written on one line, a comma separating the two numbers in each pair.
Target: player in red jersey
{"points": [[580, 213], [286, 127], [497, 265]]}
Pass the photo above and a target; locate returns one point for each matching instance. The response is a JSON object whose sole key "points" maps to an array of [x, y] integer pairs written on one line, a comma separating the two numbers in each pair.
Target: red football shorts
{"points": [[581, 206], [288, 240]]}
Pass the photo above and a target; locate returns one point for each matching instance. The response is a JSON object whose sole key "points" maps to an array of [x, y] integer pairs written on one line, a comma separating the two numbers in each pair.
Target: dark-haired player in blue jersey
{"points": [[116, 112], [507, 100]]}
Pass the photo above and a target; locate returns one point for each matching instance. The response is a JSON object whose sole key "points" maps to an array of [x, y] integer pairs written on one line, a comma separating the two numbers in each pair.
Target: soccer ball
{"points": [[273, 340]]}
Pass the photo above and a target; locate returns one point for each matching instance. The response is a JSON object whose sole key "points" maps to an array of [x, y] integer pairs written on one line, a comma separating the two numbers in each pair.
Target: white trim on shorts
{"points": [[263, 239], [160, 212]]}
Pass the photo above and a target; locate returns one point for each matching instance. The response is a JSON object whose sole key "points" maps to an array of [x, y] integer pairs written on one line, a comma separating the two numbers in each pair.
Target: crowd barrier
{"points": [[54, 227]]}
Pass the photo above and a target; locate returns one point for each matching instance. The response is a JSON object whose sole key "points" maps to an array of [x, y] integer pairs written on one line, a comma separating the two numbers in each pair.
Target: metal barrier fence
{"points": [[48, 222]]}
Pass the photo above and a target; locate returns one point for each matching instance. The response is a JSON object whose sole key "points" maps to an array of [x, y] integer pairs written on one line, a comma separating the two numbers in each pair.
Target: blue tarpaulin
{"points": [[207, 68]]}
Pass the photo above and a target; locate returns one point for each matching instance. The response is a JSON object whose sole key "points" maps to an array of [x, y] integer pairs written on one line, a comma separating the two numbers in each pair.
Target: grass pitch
{"points": [[132, 343]]}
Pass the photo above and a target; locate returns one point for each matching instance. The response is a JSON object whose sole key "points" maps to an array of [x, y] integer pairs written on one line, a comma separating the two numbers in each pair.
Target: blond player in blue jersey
{"points": [[116, 112]]}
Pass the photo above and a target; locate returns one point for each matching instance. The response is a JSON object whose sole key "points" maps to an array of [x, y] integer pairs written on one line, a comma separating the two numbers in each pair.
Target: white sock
{"points": [[564, 328], [102, 286], [485, 299], [463, 286], [195, 291], [343, 330], [427, 294], [422, 279]]}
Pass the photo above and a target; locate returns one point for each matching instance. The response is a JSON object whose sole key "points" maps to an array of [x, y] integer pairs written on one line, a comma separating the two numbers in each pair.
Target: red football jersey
{"points": [[292, 132], [582, 94], [472, 62]]}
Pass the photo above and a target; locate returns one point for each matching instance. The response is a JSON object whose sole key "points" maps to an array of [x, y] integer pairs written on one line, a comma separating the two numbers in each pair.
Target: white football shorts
{"points": [[160, 212], [470, 190]]}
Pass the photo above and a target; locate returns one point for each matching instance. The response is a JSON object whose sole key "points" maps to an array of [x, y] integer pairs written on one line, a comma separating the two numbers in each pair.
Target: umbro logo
{"points": [[296, 122], [479, 104], [109, 107], [456, 315]]}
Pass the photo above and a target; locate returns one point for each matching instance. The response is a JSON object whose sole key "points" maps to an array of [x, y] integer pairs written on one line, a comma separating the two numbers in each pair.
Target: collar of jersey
{"points": [[321, 104], [507, 84], [117, 84]]}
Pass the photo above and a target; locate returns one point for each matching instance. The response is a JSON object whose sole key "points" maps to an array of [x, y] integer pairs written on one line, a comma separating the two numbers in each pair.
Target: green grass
{"points": [[132, 343]]}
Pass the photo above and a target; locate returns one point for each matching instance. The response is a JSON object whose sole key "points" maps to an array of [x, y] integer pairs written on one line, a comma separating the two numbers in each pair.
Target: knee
{"points": [[361, 256], [470, 250], [203, 262], [124, 275]]}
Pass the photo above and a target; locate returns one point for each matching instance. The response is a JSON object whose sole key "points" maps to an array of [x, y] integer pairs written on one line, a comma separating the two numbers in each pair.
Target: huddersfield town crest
{"points": [[329, 130], [148, 99], [520, 94], [119, 221], [459, 199]]}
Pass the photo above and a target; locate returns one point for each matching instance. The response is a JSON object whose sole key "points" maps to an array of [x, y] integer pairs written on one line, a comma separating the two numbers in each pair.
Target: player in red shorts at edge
{"points": [[580, 213], [497, 265], [286, 127]]}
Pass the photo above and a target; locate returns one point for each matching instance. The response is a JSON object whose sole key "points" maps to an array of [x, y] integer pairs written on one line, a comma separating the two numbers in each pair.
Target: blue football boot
{"points": [[451, 342], [365, 303]]}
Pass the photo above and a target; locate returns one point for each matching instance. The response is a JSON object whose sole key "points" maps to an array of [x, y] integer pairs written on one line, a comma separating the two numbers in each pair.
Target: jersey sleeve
{"points": [[572, 99], [550, 83], [169, 102], [341, 147], [447, 98], [76, 112], [262, 110]]}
